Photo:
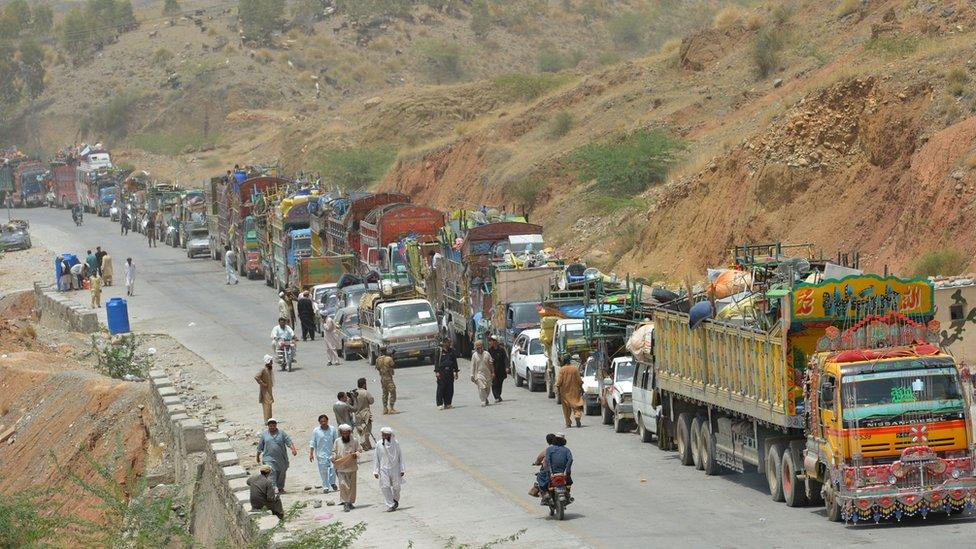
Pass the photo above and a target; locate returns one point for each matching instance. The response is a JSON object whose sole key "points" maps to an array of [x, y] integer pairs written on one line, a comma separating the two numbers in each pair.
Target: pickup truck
{"points": [[405, 327], [616, 394]]}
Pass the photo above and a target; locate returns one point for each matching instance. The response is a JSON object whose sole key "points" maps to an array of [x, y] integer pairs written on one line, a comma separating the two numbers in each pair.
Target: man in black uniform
{"points": [[306, 315], [500, 361], [446, 372]]}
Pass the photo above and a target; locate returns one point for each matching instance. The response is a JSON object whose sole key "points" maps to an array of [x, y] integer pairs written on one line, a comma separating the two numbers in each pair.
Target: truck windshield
{"points": [[898, 396], [199, 233], [573, 337], [301, 243], [525, 315], [408, 314], [625, 371]]}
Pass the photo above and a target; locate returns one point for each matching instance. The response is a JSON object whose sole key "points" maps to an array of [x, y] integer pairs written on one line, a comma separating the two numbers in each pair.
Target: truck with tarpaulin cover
{"points": [[289, 237], [385, 227], [312, 271], [347, 212], [460, 284], [834, 389]]}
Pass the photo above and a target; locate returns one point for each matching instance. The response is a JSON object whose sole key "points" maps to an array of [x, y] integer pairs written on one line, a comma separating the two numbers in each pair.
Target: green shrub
{"points": [[172, 143], [440, 60], [551, 61], [112, 118], [524, 192], [121, 357], [627, 164], [171, 7], [525, 87], [941, 262], [260, 18], [892, 46], [958, 78], [608, 57], [627, 30], [22, 524], [354, 168], [602, 204], [765, 51], [161, 56], [480, 19], [370, 8], [561, 124]]}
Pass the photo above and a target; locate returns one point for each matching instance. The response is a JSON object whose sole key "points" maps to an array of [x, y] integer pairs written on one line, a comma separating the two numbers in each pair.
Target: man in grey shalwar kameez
{"points": [[482, 371], [273, 448]]}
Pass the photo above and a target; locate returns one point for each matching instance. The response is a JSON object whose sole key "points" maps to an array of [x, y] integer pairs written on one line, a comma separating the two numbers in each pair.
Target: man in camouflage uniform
{"points": [[385, 366]]}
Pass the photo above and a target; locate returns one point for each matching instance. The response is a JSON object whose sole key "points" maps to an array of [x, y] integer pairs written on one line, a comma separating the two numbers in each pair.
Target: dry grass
{"points": [[670, 47], [971, 161], [958, 80], [847, 7], [729, 17], [755, 20]]}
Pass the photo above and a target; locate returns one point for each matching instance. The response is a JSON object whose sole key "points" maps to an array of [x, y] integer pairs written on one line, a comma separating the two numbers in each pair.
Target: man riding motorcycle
{"points": [[557, 459], [76, 214], [283, 332]]}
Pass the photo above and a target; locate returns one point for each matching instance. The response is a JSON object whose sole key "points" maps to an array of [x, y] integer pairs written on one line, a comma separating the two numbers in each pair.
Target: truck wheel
{"points": [[550, 386], [607, 416], [645, 435], [663, 440], [683, 438], [794, 491], [814, 491], [709, 464], [831, 505], [696, 425], [620, 424], [592, 409], [372, 356], [774, 471]]}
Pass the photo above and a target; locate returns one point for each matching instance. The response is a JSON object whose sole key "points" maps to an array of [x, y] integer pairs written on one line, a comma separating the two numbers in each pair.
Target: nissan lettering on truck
{"points": [[845, 398]]}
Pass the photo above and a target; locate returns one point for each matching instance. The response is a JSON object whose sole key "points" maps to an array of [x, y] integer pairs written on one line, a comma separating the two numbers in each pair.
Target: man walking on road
{"points": [[330, 333], [284, 309], [105, 268], [388, 468], [386, 366], [569, 385], [130, 277], [92, 262], [99, 255], [265, 379], [482, 371], [275, 444], [342, 409], [151, 230], [306, 316], [446, 372], [263, 493], [96, 290], [230, 264], [345, 453], [124, 221], [320, 449], [500, 362], [364, 414]]}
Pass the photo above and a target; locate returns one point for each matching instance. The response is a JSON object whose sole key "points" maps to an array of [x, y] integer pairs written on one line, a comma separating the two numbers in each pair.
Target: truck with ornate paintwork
{"points": [[289, 237], [385, 229], [30, 184], [845, 398], [346, 214]]}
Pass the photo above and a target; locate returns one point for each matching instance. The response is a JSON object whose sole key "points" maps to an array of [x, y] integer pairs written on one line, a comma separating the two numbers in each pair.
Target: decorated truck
{"points": [[63, 183], [845, 399], [346, 214], [290, 239], [385, 227], [244, 234], [30, 182], [313, 271]]}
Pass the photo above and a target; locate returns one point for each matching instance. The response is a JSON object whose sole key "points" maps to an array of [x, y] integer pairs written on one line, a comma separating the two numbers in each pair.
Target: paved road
{"points": [[468, 467]]}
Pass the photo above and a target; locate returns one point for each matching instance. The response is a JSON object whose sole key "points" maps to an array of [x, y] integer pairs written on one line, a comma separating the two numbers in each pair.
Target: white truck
{"points": [[395, 320]]}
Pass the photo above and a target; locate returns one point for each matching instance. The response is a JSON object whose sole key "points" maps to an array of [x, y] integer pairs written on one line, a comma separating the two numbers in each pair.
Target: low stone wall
{"points": [[208, 466], [57, 310]]}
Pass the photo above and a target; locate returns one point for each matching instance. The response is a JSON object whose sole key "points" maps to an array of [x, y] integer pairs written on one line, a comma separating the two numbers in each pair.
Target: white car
{"points": [[617, 390], [529, 360], [325, 302], [591, 388]]}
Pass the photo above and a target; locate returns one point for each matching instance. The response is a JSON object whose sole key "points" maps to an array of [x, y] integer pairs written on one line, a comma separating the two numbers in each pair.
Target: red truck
{"points": [[63, 175], [347, 212], [235, 226], [385, 226]]}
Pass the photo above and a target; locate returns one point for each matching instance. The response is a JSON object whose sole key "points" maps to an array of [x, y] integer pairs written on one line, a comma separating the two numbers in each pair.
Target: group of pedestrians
{"points": [[489, 368], [95, 272]]}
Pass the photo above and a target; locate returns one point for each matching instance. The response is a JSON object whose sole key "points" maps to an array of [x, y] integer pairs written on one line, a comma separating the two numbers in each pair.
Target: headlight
{"points": [[955, 473], [892, 480]]}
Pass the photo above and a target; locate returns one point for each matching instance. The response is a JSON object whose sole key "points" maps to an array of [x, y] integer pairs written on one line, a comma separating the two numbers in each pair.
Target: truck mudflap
{"points": [[918, 484]]}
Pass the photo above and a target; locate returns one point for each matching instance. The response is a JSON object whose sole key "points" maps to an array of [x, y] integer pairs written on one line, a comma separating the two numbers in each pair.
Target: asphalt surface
{"points": [[468, 468]]}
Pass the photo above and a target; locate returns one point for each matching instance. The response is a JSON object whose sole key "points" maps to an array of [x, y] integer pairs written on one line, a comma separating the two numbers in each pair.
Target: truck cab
{"points": [[616, 393], [519, 316], [406, 328], [567, 339]]}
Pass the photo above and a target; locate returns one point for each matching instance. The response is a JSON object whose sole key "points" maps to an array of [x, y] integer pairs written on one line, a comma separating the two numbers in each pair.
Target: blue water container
{"points": [[118, 315], [72, 261]]}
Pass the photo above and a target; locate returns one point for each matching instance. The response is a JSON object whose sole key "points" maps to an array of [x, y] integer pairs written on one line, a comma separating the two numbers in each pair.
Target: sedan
{"points": [[14, 237], [198, 243], [351, 340], [529, 360]]}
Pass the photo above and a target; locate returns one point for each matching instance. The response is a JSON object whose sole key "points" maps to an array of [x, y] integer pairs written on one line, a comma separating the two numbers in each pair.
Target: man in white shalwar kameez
{"points": [[388, 468]]}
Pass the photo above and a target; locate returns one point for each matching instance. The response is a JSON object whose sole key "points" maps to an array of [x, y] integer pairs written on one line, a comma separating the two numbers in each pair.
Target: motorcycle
{"points": [[286, 355], [558, 496]]}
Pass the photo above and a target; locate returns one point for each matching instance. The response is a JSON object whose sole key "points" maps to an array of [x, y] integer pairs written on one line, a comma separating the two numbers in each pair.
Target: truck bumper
{"points": [[625, 410], [955, 496], [413, 349]]}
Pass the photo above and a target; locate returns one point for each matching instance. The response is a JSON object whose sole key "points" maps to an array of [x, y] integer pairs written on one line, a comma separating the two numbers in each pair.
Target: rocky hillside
{"points": [[646, 136]]}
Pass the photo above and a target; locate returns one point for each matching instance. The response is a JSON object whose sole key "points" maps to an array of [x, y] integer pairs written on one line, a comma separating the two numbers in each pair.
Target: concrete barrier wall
{"points": [[57, 310]]}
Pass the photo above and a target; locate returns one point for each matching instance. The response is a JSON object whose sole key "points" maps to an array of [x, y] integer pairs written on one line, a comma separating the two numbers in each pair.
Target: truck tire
{"points": [[663, 440], [707, 451], [814, 491], [620, 425], [683, 438], [696, 426], [831, 506], [372, 356], [591, 409], [774, 471], [645, 435], [794, 491], [607, 415]]}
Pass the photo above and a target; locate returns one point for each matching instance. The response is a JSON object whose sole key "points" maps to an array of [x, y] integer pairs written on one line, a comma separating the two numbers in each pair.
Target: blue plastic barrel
{"points": [[72, 261], [118, 315]]}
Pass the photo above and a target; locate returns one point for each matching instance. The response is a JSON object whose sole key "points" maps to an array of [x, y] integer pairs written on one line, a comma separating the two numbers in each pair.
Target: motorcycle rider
{"points": [[558, 459], [283, 332], [540, 460], [76, 214]]}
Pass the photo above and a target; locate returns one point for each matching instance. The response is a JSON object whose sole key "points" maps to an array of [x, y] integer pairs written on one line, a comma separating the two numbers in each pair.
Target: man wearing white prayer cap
{"points": [[345, 452], [388, 468]]}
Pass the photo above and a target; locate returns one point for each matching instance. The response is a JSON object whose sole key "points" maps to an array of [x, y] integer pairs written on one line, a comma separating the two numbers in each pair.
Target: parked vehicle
{"points": [[15, 235], [198, 243], [342, 232], [351, 296], [528, 358], [647, 411], [519, 316], [63, 183], [591, 388], [384, 226], [395, 319], [350, 334], [567, 340], [843, 400], [316, 271], [325, 299], [290, 240], [230, 208], [616, 394], [30, 181]]}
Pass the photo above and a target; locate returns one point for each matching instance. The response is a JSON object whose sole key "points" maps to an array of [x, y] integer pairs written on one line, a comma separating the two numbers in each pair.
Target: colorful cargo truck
{"points": [[846, 400]]}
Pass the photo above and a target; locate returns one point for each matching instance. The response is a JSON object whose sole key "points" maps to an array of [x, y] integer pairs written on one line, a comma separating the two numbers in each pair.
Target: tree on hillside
{"points": [[171, 7], [260, 17], [32, 61], [9, 28], [125, 18], [43, 19], [304, 14], [20, 12]]}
